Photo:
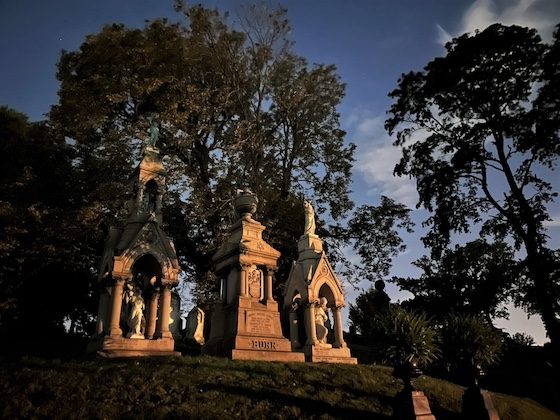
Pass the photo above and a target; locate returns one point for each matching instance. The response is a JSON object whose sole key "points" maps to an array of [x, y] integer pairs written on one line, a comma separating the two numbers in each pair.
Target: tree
{"points": [[474, 279], [235, 107], [48, 243], [484, 147], [374, 234]]}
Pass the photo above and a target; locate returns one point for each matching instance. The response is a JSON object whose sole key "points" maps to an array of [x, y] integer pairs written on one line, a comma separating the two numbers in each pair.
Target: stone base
{"points": [[266, 348], [268, 356], [317, 354], [125, 347], [421, 406], [250, 330], [309, 246]]}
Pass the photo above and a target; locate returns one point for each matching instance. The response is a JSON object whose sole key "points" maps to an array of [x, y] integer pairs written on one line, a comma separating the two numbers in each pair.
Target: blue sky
{"points": [[370, 42]]}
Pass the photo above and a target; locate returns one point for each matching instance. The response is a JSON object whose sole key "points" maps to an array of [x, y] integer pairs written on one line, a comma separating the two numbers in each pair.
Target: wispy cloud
{"points": [[539, 14], [376, 160]]}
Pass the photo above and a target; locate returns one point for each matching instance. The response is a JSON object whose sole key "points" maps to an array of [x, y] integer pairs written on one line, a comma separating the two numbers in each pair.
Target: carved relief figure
{"points": [[321, 318], [255, 283], [309, 228]]}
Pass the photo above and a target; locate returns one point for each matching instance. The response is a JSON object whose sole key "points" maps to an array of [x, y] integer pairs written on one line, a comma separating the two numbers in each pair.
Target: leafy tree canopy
{"points": [[474, 279], [236, 107], [48, 244]]}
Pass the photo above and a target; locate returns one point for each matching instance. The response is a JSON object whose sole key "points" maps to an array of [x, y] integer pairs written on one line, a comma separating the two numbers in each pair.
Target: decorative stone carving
{"points": [[255, 279]]}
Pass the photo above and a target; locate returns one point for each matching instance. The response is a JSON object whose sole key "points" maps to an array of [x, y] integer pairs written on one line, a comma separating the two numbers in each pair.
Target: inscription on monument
{"points": [[260, 323], [263, 345]]}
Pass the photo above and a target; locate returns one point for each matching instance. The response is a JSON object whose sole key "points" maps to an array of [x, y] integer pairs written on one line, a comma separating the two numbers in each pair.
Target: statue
{"points": [[309, 228], [321, 318], [135, 319], [381, 300], [153, 131], [195, 325]]}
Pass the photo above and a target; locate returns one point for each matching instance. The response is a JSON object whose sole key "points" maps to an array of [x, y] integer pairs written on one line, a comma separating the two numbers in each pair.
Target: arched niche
{"points": [[150, 196], [326, 291], [146, 271]]}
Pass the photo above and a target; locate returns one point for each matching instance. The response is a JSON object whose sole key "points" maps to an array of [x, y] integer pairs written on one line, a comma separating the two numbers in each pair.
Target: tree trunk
{"points": [[540, 271]]}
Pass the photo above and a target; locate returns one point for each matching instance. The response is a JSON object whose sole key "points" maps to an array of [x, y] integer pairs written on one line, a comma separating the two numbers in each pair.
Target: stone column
{"points": [[151, 314], [116, 306], [102, 311], [139, 197], [338, 334], [243, 280], [294, 329], [165, 306], [310, 324], [268, 285]]}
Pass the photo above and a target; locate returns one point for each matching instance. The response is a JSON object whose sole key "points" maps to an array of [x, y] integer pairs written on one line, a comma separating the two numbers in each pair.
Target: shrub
{"points": [[407, 337], [469, 342]]}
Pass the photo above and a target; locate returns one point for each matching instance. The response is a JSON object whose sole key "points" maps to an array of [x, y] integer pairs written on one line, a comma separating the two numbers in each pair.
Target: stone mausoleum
{"points": [[138, 269]]}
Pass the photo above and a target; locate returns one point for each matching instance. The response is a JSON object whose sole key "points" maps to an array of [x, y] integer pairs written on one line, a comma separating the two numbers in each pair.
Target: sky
{"points": [[370, 42]]}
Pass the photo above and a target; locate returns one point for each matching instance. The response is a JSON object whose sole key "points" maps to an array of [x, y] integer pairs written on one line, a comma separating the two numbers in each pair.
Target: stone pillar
{"points": [[139, 198], [243, 280], [268, 285], [294, 329], [310, 324], [102, 311], [116, 305], [158, 203], [164, 309], [338, 334], [151, 314]]}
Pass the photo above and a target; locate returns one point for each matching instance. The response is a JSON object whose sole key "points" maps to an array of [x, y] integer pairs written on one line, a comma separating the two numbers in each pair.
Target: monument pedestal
{"points": [[246, 322], [318, 354], [124, 347], [251, 331], [421, 406]]}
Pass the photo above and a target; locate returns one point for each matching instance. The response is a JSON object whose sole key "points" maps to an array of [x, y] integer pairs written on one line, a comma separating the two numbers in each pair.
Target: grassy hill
{"points": [[206, 387]]}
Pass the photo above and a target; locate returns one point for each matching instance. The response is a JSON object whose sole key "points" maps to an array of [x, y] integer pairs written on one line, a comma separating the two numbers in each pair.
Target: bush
{"points": [[469, 342], [407, 337]]}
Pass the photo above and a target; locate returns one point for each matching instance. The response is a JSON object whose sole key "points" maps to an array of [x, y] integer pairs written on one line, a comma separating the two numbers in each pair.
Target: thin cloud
{"points": [[376, 160], [539, 14]]}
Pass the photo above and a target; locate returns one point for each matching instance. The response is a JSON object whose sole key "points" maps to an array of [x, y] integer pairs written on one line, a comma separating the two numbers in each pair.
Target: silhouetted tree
{"points": [[478, 144]]}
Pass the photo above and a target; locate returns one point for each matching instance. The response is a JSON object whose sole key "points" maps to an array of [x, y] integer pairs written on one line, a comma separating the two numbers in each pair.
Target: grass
{"points": [[206, 387]]}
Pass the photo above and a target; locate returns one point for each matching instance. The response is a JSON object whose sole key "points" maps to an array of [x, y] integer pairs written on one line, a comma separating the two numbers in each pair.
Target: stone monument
{"points": [[311, 293], [245, 322], [138, 269], [195, 325]]}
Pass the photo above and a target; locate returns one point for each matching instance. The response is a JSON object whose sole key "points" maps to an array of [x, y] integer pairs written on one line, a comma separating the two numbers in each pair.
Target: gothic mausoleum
{"points": [[138, 269]]}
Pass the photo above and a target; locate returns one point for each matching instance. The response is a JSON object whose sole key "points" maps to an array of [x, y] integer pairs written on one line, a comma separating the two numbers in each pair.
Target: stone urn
{"points": [[246, 204]]}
